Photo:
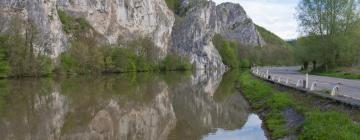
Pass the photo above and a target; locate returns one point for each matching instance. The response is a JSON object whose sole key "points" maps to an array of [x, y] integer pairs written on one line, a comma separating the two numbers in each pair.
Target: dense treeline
{"points": [[137, 56], [236, 55], [332, 30]]}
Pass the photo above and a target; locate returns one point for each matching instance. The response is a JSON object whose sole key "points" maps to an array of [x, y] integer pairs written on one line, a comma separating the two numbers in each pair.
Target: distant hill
{"points": [[270, 38]]}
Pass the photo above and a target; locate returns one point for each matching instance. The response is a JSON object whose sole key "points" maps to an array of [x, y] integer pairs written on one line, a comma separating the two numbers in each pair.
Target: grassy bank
{"points": [[344, 75], [309, 117]]}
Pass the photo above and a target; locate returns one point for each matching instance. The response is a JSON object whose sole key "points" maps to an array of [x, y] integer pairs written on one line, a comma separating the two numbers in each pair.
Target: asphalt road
{"points": [[348, 88]]}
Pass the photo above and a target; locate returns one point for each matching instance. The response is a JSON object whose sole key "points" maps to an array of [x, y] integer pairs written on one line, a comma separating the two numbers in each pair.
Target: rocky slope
{"points": [[119, 20]]}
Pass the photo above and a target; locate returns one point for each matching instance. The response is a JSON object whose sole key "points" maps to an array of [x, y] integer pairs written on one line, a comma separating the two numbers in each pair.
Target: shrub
{"points": [[72, 24], [173, 62], [81, 58], [228, 51]]}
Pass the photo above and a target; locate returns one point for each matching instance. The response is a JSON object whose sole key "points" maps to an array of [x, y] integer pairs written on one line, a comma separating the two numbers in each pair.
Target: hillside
{"points": [[271, 38]]}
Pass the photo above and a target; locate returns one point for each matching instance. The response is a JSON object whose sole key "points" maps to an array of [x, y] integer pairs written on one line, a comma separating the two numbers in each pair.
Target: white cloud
{"points": [[278, 16]]}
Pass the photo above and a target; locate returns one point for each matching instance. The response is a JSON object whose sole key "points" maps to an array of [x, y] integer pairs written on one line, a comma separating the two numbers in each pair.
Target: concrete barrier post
{"points": [[335, 90], [307, 81], [298, 83], [313, 85], [287, 81]]}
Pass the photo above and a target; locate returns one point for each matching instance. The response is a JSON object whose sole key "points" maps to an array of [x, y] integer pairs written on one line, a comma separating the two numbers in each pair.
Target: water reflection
{"points": [[125, 107], [250, 131]]}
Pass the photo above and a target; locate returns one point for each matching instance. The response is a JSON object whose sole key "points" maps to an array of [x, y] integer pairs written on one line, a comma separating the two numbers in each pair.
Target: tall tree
{"points": [[324, 22]]}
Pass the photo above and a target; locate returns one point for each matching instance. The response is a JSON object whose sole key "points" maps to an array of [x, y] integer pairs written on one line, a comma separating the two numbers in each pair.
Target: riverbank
{"points": [[293, 115]]}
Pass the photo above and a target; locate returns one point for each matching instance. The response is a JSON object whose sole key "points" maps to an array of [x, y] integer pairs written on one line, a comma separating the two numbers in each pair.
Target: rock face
{"points": [[233, 23], [125, 19], [193, 37], [118, 20], [42, 15]]}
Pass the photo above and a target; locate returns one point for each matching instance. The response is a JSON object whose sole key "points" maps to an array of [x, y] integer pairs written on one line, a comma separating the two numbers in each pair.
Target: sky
{"points": [[278, 16]]}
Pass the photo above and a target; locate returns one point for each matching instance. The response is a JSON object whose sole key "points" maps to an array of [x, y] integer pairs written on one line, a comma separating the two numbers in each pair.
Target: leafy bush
{"points": [[81, 58], [72, 24], [227, 50], [173, 62], [18, 55]]}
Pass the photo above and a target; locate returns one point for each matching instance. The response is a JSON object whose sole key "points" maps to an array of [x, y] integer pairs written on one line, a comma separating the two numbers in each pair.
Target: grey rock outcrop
{"points": [[193, 37], [125, 19], [193, 34], [234, 24], [114, 19]]}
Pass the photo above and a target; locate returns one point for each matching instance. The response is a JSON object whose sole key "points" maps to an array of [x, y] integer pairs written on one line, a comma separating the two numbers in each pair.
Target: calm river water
{"points": [[143, 106]]}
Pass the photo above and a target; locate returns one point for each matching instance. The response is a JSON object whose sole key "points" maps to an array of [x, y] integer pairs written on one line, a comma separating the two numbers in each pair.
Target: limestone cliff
{"points": [[193, 33], [193, 36], [118, 20], [234, 24]]}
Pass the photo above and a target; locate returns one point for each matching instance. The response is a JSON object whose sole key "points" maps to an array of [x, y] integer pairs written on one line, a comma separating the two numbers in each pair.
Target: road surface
{"points": [[348, 88]]}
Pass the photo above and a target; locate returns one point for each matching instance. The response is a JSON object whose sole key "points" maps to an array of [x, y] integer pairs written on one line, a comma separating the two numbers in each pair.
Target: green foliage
{"points": [[262, 95], [173, 62], [180, 11], [4, 65], [320, 125], [275, 52], [137, 56], [82, 58], [280, 101], [71, 24], [18, 55], [345, 75], [332, 32], [275, 122], [271, 38], [227, 85], [227, 50]]}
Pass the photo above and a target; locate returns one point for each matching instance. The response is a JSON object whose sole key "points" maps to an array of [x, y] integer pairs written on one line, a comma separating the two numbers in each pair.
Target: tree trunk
{"points": [[306, 65], [314, 65]]}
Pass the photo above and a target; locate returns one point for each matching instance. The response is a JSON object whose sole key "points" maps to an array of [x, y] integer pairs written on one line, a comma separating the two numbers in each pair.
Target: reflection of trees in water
{"points": [[137, 106]]}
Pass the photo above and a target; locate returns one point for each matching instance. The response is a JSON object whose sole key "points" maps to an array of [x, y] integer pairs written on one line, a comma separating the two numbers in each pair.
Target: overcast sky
{"points": [[278, 16]]}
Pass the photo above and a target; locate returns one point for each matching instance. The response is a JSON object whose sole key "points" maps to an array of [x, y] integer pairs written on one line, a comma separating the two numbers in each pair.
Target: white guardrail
{"points": [[303, 82]]}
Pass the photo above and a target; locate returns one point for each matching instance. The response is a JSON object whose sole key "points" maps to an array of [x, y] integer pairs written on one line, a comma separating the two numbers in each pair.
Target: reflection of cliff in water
{"points": [[134, 107], [197, 111], [88, 108]]}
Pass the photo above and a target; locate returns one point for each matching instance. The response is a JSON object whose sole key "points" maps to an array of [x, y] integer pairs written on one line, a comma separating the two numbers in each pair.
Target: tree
{"points": [[325, 22]]}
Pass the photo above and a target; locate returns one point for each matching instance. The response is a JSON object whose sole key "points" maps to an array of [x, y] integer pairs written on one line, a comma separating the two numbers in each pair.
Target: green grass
{"points": [[340, 75], [328, 125], [262, 95], [318, 124]]}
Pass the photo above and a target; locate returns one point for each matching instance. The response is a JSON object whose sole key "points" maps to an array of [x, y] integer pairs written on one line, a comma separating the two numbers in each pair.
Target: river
{"points": [[143, 106]]}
